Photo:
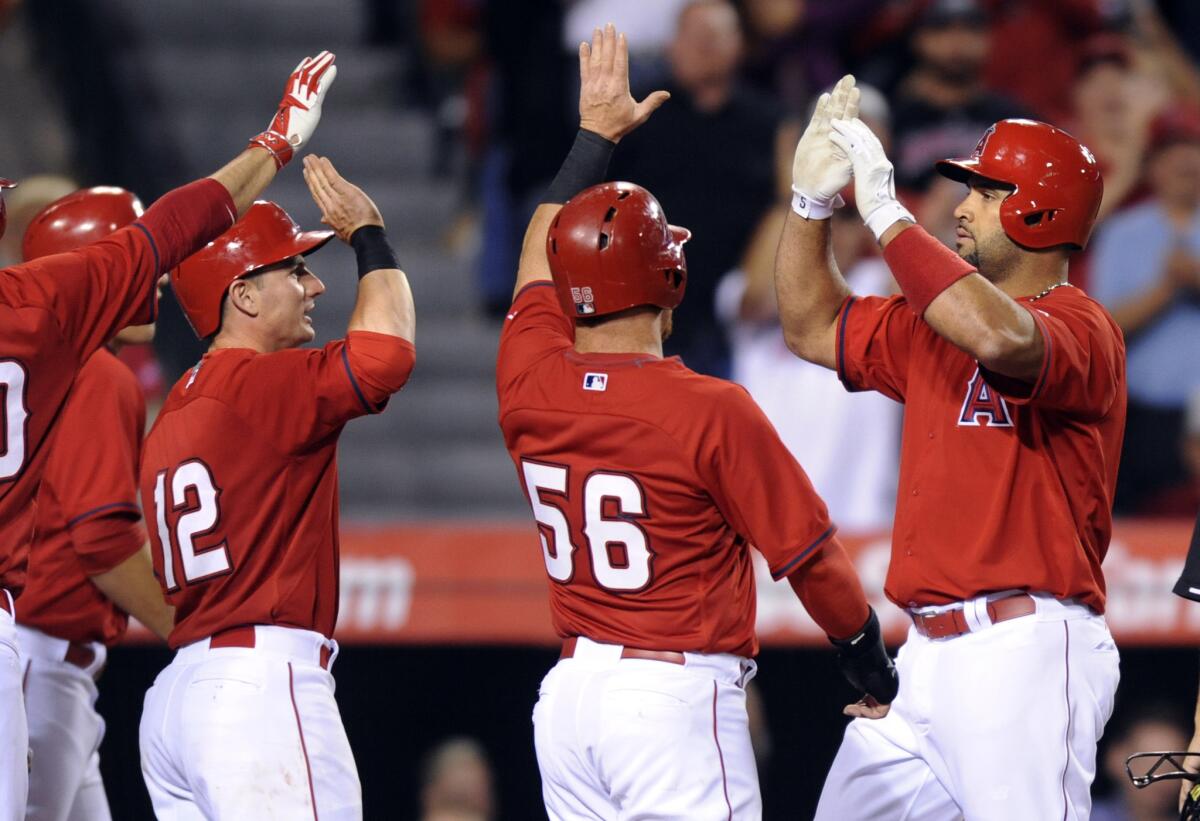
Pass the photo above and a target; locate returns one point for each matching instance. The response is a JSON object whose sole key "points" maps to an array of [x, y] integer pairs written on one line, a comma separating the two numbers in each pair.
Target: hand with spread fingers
{"points": [[874, 175], [820, 169], [605, 105], [344, 206], [300, 109]]}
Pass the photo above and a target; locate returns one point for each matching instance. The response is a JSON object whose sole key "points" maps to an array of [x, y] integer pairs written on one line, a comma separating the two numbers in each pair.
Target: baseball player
{"points": [[89, 563], [239, 478], [1014, 387], [649, 484], [55, 312]]}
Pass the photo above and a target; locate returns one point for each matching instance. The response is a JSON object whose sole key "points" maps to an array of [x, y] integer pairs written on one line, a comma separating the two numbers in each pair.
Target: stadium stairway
{"points": [[436, 451]]}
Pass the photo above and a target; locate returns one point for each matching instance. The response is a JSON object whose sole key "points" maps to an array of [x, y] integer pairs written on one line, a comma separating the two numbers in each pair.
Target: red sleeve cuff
{"points": [[378, 365], [923, 267], [103, 542], [779, 571]]}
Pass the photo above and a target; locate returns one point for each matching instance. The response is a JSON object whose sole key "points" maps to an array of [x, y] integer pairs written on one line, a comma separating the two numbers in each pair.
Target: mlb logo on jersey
{"points": [[595, 381], [585, 302], [983, 407]]}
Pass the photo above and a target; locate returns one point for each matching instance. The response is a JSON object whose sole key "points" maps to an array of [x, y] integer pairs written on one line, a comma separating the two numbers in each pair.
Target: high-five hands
{"points": [[820, 169], [300, 109], [605, 104], [874, 175], [344, 206]]}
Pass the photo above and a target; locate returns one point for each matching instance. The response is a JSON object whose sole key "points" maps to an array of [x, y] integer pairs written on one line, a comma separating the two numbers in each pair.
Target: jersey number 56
{"points": [[195, 508], [612, 504]]}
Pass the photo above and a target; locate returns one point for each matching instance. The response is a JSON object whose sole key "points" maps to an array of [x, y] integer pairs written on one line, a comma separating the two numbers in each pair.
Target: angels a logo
{"points": [[585, 303], [983, 407], [983, 140]]}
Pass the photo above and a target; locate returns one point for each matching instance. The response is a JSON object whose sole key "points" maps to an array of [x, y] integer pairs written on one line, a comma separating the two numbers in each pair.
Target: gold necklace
{"points": [[1051, 288]]}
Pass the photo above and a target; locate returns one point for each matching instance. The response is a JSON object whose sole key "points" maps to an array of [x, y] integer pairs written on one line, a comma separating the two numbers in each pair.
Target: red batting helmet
{"points": [[264, 236], [79, 219], [3, 213], [610, 248], [1057, 181]]}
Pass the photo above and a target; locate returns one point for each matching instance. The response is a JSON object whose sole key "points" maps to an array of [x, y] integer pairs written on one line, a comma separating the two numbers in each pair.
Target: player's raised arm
{"points": [[943, 288], [808, 285], [607, 112], [290, 130], [385, 302]]}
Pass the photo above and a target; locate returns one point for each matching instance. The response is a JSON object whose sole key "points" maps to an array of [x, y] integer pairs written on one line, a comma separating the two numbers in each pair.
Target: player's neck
{"points": [[622, 334], [237, 338], [1033, 275]]}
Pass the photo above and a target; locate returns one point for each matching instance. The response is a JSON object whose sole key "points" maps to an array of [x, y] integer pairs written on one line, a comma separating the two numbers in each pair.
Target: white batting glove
{"points": [[300, 110], [820, 169], [874, 176]]}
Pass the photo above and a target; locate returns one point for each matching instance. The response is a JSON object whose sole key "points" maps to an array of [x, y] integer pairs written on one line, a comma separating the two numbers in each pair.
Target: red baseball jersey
{"points": [[55, 312], [239, 483], [1003, 485], [88, 519], [649, 484]]}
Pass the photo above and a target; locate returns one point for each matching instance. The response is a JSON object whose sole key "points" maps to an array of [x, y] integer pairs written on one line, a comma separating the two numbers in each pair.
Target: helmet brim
{"points": [[959, 170], [6, 183], [303, 243]]}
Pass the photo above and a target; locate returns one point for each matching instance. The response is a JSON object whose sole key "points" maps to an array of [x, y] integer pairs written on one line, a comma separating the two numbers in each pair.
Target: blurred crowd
{"points": [[1120, 74], [498, 81]]}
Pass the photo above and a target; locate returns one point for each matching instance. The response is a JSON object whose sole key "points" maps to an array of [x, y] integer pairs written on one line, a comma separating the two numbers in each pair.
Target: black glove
{"points": [[865, 662]]}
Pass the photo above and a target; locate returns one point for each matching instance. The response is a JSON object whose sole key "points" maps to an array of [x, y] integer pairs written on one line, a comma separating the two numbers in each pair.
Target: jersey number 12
{"points": [[619, 547], [200, 516]]}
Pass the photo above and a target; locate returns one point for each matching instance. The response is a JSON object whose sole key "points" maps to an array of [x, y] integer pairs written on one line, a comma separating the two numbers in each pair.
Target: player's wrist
{"points": [[372, 250], [585, 165], [814, 206], [884, 215], [276, 145]]}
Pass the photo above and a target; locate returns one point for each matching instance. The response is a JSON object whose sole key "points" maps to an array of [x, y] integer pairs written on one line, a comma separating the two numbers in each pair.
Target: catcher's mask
{"points": [[1145, 769]]}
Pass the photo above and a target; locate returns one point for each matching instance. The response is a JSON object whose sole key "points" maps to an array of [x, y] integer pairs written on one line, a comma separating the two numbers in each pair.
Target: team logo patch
{"points": [[595, 381], [983, 407], [585, 302]]}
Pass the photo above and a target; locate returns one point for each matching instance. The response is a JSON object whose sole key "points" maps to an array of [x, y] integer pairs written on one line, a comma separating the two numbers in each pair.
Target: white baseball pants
{"points": [[65, 731], [637, 740], [249, 733], [1000, 723], [14, 731]]}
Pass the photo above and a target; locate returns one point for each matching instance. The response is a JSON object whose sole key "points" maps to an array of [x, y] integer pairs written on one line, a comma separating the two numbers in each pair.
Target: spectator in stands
{"points": [[1052, 38], [1146, 270], [1182, 500], [649, 27], [1151, 728], [457, 783], [1113, 105], [848, 443], [710, 156], [942, 105], [795, 48]]}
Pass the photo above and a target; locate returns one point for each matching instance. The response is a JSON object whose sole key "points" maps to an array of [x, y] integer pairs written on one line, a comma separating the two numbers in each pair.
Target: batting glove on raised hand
{"points": [[300, 110], [874, 176], [820, 169], [866, 664]]}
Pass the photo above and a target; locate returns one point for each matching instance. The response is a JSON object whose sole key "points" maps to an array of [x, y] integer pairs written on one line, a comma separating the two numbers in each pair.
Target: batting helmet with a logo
{"points": [[611, 248], [78, 219], [1056, 181], [263, 237]]}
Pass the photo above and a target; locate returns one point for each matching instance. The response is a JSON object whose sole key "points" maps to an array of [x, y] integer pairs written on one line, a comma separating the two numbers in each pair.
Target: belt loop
{"points": [[333, 653], [976, 613]]}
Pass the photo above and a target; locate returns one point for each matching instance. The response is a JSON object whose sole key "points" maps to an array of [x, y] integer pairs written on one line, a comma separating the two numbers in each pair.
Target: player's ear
{"points": [[243, 297]]}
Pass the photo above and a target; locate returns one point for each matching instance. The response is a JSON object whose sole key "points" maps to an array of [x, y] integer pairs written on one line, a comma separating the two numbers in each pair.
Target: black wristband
{"points": [[586, 165], [372, 250]]}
